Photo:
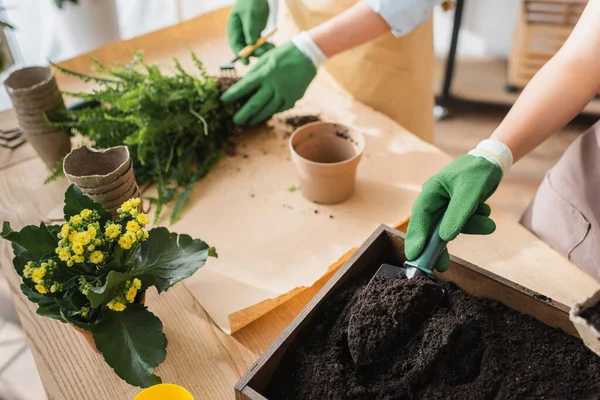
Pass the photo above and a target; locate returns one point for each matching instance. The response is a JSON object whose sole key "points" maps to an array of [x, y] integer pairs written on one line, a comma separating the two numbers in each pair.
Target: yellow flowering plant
{"points": [[93, 272]]}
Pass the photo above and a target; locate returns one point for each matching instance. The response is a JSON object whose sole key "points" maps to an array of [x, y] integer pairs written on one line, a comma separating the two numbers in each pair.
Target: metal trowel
{"points": [[365, 349]]}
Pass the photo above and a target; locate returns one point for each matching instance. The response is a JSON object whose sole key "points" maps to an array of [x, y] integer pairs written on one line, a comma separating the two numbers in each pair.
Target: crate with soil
{"points": [[487, 338]]}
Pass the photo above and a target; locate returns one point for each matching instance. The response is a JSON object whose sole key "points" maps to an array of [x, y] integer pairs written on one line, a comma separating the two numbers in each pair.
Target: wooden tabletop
{"points": [[200, 356]]}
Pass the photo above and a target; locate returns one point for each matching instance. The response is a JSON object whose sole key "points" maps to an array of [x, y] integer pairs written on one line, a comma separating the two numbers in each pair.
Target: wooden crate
{"points": [[386, 245], [542, 28]]}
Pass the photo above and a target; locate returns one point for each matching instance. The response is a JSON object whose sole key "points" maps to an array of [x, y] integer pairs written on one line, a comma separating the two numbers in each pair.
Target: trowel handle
{"points": [[431, 252]]}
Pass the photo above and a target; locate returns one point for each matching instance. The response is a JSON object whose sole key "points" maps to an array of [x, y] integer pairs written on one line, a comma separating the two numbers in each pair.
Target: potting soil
{"points": [[468, 348], [592, 315], [387, 313]]}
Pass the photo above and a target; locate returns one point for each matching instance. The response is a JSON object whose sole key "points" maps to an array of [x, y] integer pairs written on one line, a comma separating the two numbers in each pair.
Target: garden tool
{"points": [[367, 348], [228, 70]]}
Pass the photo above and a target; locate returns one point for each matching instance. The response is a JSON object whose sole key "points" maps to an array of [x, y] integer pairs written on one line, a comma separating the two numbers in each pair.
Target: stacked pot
{"points": [[106, 176], [34, 92]]}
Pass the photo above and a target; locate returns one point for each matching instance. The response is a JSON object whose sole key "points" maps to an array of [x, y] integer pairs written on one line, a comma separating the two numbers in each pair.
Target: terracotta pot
{"points": [[106, 176], [326, 156], [34, 92], [88, 335], [588, 333], [88, 338]]}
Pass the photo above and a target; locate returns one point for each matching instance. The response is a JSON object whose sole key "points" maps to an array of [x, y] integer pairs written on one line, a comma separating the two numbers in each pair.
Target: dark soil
{"points": [[389, 312], [468, 348], [592, 315], [301, 120]]}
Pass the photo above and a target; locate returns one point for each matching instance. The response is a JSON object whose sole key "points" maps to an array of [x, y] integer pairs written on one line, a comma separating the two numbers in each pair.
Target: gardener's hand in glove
{"points": [[458, 193], [245, 24], [275, 83]]}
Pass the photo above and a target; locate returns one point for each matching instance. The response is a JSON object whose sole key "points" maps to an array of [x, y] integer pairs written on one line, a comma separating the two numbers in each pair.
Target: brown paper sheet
{"points": [[272, 243]]}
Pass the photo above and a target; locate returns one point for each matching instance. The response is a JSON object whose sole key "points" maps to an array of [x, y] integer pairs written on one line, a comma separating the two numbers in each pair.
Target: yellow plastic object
{"points": [[164, 391]]}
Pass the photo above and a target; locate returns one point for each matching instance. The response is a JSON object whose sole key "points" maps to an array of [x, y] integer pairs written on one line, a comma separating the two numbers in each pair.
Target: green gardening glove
{"points": [[275, 83], [457, 194], [245, 24]]}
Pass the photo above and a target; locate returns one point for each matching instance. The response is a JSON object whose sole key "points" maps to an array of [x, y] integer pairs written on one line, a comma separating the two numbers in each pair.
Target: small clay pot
{"points": [[88, 338], [588, 333], [326, 156], [34, 92]]}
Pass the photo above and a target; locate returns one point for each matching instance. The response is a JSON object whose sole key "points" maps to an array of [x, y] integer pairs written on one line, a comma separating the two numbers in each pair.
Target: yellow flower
{"points": [[41, 288], [64, 231], [91, 232], [63, 254], [85, 213], [77, 259], [133, 226], [137, 283], [27, 270], [126, 206], [77, 248], [146, 234], [143, 218], [72, 236], [38, 274], [83, 238], [116, 305], [56, 287], [70, 263], [127, 240], [96, 257], [113, 230], [76, 220], [135, 202], [131, 293]]}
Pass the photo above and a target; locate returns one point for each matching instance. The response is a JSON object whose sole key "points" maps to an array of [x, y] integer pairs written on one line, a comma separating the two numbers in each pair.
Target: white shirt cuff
{"points": [[404, 16], [495, 152], [309, 48]]}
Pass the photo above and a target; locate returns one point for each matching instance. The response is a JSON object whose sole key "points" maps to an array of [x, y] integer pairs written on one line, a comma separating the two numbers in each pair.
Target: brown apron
{"points": [[565, 212], [392, 75]]}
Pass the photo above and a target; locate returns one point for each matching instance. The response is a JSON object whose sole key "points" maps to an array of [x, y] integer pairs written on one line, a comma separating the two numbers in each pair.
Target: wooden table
{"points": [[200, 356]]}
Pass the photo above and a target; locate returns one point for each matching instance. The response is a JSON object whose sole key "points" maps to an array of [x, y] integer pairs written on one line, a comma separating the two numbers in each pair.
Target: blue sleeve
{"points": [[403, 16]]}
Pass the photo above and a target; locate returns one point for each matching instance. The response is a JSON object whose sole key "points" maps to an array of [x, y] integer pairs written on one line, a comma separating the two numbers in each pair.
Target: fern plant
{"points": [[175, 126]]}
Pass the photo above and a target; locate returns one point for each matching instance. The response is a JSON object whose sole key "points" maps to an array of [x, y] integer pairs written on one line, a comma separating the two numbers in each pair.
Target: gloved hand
{"points": [[457, 194], [246, 21], [276, 82]]}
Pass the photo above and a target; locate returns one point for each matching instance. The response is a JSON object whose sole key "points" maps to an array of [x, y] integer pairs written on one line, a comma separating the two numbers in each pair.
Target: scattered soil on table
{"points": [[468, 348], [301, 120], [592, 315], [387, 313]]}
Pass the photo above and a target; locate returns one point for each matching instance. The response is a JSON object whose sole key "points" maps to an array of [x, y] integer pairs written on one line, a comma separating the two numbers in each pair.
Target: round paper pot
{"points": [[108, 197], [326, 156], [588, 333], [91, 168], [117, 183], [33, 92], [51, 146], [114, 205]]}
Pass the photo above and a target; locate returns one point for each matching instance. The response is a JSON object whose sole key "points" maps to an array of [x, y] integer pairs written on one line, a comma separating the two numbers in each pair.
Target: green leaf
{"points": [[31, 242], [75, 202], [47, 305], [106, 292], [132, 343], [166, 258]]}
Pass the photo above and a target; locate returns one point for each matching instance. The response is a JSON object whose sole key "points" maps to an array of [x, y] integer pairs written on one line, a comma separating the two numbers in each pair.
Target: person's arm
{"points": [[355, 26], [268, 82], [559, 91]]}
